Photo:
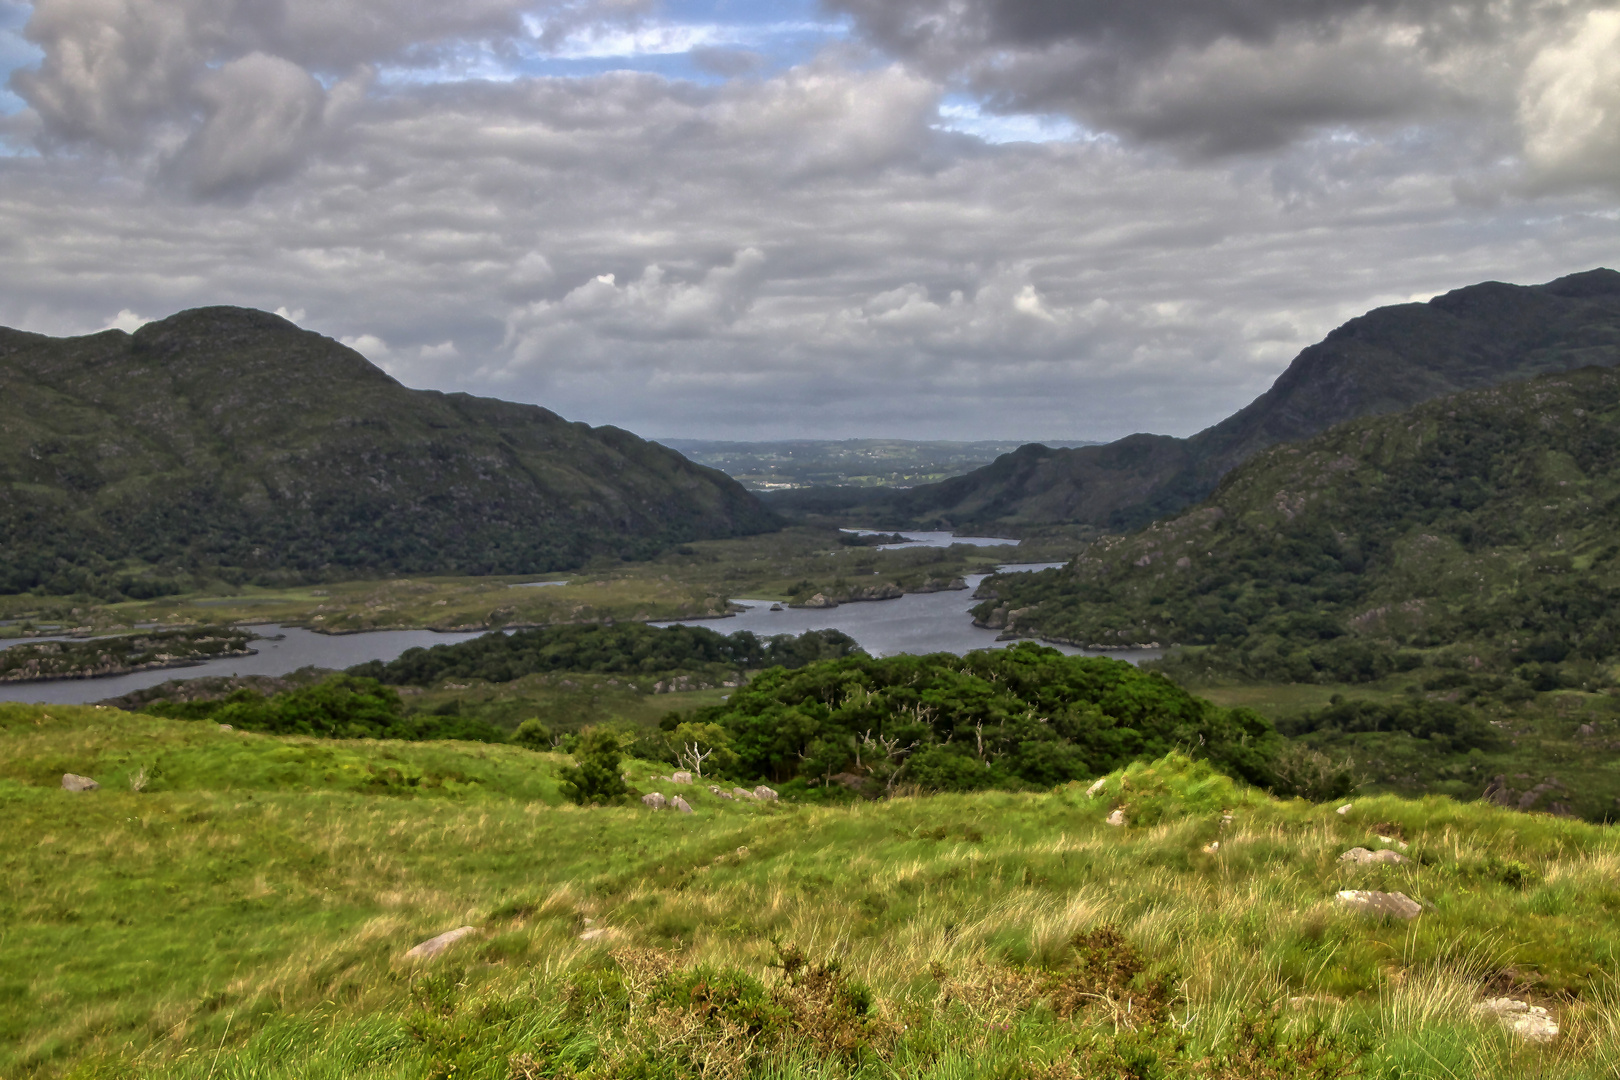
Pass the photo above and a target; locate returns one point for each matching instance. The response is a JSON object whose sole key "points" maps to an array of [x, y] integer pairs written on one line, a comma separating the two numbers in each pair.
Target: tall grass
{"points": [[247, 914]]}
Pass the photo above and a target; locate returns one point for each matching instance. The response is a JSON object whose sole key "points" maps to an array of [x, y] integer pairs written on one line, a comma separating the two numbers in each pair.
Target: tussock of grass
{"points": [[247, 915]]}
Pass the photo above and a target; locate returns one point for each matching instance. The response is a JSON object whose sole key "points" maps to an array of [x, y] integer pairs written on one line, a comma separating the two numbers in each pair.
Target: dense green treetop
{"points": [[230, 438], [1018, 717], [626, 648]]}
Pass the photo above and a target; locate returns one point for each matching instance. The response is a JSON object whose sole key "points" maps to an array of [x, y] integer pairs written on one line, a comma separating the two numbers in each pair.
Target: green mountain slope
{"points": [[1482, 527], [1387, 360], [229, 438]]}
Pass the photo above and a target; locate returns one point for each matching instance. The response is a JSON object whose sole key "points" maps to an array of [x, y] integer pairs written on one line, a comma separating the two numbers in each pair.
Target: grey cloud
{"points": [[801, 254], [261, 114], [1227, 76], [140, 76], [727, 63]]}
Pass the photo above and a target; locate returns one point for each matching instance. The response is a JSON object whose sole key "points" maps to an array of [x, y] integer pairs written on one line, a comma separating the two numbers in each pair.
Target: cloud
{"points": [[1225, 76], [262, 112], [1571, 106], [127, 321]]}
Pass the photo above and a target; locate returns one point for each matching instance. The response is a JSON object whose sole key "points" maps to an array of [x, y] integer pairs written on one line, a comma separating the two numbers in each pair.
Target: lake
{"points": [[915, 623]]}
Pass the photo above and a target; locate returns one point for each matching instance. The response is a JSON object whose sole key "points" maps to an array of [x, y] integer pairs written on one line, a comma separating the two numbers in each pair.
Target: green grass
{"points": [[247, 914]]}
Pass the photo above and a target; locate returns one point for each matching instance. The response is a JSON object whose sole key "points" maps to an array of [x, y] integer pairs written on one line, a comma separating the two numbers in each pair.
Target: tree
{"points": [[532, 735], [596, 781], [696, 744]]}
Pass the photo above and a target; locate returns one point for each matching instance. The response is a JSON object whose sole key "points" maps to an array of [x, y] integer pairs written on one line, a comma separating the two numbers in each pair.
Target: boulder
{"points": [[765, 793], [1096, 786], [1586, 729], [1212, 847], [1116, 818], [819, 600], [73, 782], [655, 801], [1345, 809], [434, 946], [1364, 857], [742, 793], [1372, 902], [680, 804], [1531, 1023], [680, 778], [776, 607]]}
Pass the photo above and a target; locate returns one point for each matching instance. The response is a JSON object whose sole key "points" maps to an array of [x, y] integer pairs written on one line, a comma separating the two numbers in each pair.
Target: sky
{"points": [[953, 219]]}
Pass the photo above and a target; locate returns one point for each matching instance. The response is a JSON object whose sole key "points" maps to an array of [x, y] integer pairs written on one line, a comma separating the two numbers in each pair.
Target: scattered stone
{"points": [[1586, 729], [742, 793], [776, 607], [1098, 785], [742, 853], [655, 801], [1116, 818], [680, 804], [680, 778], [1212, 847], [226, 727], [1402, 844], [1345, 809], [434, 946], [765, 793], [1372, 902], [1365, 857], [714, 789], [820, 600], [72, 782], [1529, 1022]]}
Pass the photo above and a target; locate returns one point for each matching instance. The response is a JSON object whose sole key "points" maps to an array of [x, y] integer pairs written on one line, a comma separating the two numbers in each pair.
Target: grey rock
{"points": [[1116, 818], [765, 793], [1364, 857], [776, 607], [1372, 902], [742, 793], [655, 801], [819, 600], [434, 946], [1345, 809], [1096, 786], [680, 778], [680, 804], [73, 782], [1531, 1023], [1586, 729]]}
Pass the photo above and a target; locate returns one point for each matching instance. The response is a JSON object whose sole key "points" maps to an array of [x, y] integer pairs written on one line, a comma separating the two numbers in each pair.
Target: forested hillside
{"points": [[1478, 531], [1387, 360], [229, 442]]}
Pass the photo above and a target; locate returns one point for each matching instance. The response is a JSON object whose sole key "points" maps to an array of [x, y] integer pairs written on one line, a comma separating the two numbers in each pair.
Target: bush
{"points": [[532, 735], [596, 780]]}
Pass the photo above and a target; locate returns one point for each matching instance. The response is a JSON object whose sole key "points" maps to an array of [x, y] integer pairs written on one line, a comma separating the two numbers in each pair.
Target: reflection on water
{"points": [[915, 623]]}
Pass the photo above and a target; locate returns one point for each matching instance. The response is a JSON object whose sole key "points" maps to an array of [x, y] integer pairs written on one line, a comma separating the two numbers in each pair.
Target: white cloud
{"points": [[127, 321], [1571, 105]]}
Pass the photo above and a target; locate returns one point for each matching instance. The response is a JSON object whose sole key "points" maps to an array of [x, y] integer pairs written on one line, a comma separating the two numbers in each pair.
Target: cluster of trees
{"points": [[1449, 725], [628, 648], [340, 707], [1023, 717]]}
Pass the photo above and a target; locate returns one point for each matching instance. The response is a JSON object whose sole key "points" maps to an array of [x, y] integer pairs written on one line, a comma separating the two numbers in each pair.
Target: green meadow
{"points": [[237, 905]]}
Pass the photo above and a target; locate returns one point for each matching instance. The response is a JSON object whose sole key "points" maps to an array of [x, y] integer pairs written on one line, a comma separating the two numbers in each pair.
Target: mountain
{"points": [[1476, 533], [225, 439], [1389, 359]]}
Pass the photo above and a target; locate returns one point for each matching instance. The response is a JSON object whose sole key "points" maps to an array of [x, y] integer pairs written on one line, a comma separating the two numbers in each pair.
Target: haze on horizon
{"points": [[737, 219]]}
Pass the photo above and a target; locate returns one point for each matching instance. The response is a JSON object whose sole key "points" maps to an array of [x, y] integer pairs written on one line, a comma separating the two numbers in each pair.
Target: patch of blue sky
{"points": [[16, 52], [962, 114], [679, 40]]}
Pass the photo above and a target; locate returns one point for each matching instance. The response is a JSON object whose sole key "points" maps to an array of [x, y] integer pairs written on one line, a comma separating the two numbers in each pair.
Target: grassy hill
{"points": [[1385, 361], [248, 910], [228, 442]]}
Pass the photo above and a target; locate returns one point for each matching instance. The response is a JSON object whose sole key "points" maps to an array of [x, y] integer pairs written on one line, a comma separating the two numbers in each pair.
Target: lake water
{"points": [[915, 623], [295, 648], [931, 539]]}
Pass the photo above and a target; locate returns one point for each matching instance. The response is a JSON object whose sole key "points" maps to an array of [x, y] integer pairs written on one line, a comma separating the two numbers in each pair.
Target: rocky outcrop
{"points": [[1531, 1023], [1517, 792], [432, 947], [1363, 857], [74, 782], [1371, 902], [655, 801]]}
